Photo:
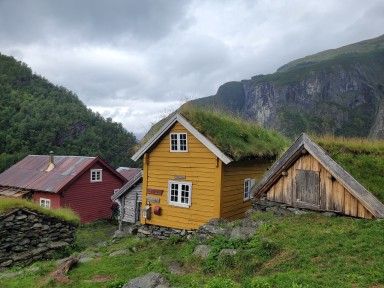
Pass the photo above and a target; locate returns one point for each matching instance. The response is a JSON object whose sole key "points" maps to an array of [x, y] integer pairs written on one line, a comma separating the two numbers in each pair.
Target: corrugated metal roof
{"points": [[30, 173], [128, 172]]}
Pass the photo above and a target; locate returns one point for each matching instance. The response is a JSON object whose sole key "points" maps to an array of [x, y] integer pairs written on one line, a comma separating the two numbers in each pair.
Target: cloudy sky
{"points": [[137, 60]]}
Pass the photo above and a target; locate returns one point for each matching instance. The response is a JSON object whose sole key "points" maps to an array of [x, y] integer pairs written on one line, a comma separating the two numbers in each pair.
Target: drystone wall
{"points": [[27, 236]]}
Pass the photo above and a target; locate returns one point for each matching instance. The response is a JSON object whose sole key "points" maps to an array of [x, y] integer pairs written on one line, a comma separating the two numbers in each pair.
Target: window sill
{"points": [[179, 205]]}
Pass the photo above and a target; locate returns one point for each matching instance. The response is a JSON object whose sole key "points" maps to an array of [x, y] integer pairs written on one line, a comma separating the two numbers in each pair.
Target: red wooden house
{"points": [[84, 184]]}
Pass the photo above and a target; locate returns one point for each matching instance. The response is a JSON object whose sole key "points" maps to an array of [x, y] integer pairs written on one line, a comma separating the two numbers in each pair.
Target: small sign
{"points": [[154, 191], [153, 200], [179, 177]]}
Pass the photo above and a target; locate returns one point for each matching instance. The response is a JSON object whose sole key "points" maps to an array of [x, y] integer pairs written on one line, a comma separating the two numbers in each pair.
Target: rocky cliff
{"points": [[339, 91]]}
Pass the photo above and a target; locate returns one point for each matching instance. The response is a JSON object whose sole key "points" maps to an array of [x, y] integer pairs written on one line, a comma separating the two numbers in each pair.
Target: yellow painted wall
{"points": [[233, 205], [199, 166]]}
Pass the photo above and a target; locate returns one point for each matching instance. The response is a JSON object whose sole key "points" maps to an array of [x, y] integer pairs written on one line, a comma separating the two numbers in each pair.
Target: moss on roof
{"points": [[234, 137], [362, 158], [10, 203]]}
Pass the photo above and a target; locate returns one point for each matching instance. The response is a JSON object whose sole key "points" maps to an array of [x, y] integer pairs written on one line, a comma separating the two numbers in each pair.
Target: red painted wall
{"points": [[55, 199], [91, 200]]}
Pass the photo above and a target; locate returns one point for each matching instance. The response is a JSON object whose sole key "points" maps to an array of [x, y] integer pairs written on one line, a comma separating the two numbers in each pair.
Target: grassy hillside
{"points": [[37, 117], [293, 251], [366, 46]]}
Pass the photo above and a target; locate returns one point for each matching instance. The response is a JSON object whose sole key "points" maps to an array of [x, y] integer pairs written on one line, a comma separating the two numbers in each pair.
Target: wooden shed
{"points": [[129, 197], [193, 173], [307, 177]]}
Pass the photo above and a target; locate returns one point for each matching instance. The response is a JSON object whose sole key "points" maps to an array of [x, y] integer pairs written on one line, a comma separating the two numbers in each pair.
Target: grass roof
{"points": [[362, 158], [9, 203], [236, 138]]}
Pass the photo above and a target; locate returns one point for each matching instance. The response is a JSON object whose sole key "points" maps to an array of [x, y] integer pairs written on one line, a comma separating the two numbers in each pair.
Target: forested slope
{"points": [[37, 117]]}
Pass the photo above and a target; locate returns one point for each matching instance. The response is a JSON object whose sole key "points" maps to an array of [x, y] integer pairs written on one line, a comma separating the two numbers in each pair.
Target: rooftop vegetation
{"points": [[362, 158], [236, 138], [9, 203]]}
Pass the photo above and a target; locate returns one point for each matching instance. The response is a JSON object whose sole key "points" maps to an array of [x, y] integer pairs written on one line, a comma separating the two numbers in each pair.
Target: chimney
{"points": [[51, 163], [51, 158]]}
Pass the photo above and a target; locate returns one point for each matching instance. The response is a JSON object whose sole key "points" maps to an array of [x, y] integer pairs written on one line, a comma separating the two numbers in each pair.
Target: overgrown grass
{"points": [[9, 203], [236, 138], [295, 251], [362, 158]]}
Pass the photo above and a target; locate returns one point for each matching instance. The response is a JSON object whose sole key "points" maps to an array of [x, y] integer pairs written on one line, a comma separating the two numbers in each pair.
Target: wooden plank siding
{"points": [[198, 166], [333, 195], [131, 200], [233, 205], [91, 200]]}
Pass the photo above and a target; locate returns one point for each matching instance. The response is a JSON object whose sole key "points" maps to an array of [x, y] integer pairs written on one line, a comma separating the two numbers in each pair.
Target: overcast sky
{"points": [[135, 61]]}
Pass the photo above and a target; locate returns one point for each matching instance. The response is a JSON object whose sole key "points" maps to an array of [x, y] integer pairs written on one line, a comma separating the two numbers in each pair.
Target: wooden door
{"points": [[308, 188]]}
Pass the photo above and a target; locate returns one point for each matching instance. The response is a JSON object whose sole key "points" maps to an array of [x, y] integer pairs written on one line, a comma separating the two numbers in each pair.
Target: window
{"points": [[96, 175], [178, 142], [46, 203], [248, 184], [179, 193]]}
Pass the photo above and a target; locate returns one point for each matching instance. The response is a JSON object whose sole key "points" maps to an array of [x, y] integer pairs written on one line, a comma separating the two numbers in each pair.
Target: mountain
{"points": [[338, 91], [37, 117]]}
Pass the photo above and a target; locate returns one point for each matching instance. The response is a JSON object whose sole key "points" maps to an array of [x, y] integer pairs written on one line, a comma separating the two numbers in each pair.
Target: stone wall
{"points": [[161, 233], [27, 236]]}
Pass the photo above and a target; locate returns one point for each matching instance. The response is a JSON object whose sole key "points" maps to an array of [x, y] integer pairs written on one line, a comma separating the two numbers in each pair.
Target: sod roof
{"points": [[362, 158], [235, 138]]}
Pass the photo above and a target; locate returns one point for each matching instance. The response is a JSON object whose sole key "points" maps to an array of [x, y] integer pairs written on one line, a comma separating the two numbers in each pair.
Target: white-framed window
{"points": [[179, 193], [46, 203], [178, 142], [96, 175], [248, 184]]}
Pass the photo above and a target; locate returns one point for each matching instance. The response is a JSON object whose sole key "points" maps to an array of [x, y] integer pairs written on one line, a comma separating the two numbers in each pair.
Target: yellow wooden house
{"points": [[188, 178]]}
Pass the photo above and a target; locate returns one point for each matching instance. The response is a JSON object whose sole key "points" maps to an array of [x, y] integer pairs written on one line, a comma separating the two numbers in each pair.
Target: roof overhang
{"points": [[167, 126]]}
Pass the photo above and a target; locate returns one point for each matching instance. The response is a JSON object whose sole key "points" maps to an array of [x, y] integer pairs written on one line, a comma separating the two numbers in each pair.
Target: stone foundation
{"points": [[27, 236], [161, 233]]}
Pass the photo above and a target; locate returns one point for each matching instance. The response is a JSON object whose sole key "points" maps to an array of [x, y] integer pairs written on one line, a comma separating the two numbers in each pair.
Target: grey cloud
{"points": [[25, 21]]}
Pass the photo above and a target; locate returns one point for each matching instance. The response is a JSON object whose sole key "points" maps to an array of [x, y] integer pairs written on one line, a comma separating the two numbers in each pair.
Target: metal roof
{"points": [[128, 172], [135, 179], [29, 173]]}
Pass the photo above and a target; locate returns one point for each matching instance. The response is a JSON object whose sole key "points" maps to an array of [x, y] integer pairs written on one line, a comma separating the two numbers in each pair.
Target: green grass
{"points": [[293, 251], [236, 138], [362, 158], [360, 47], [9, 203]]}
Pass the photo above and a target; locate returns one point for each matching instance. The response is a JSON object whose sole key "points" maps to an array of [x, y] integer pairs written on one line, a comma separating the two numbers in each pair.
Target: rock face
{"points": [[340, 92], [27, 236]]}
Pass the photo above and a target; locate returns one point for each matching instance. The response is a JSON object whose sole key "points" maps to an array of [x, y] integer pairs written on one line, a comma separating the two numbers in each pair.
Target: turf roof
{"points": [[362, 158], [236, 138]]}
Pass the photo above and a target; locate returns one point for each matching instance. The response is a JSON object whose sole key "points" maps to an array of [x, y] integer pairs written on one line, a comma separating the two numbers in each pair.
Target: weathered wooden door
{"points": [[308, 188]]}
